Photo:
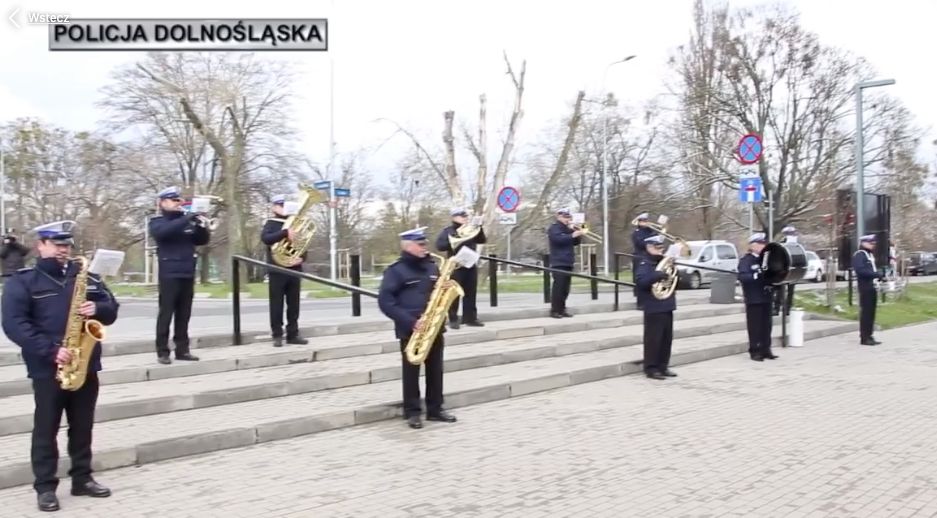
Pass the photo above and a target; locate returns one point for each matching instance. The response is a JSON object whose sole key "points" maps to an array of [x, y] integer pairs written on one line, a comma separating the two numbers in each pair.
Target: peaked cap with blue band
{"points": [[59, 232], [169, 193], [416, 234]]}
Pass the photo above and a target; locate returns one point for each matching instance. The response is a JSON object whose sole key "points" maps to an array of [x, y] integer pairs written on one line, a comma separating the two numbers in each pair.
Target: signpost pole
{"points": [[751, 218], [333, 232]]}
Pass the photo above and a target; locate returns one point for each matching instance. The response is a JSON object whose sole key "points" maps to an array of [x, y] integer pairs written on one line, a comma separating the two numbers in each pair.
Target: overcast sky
{"points": [[412, 60]]}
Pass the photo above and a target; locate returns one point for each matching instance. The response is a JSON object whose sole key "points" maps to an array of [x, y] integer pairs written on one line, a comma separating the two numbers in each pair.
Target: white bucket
{"points": [[795, 328]]}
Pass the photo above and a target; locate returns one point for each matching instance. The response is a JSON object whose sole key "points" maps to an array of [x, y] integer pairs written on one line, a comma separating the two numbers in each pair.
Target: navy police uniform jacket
{"points": [[561, 245], [405, 290], [865, 270], [638, 237], [442, 241], [272, 233], [35, 311], [754, 287], [176, 236], [644, 277]]}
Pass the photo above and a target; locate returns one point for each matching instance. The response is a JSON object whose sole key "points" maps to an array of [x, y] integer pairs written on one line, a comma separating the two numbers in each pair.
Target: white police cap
{"points": [[656, 239], [169, 193], [416, 234], [757, 237]]}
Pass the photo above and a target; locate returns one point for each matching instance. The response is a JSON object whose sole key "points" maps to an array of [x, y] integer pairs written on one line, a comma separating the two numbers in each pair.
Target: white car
{"points": [[815, 267]]}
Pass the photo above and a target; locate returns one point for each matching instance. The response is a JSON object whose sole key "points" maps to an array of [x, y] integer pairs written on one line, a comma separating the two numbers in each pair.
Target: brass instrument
{"points": [[661, 229], [436, 313], [464, 233], [288, 253], [202, 218], [587, 233], [81, 335], [664, 288]]}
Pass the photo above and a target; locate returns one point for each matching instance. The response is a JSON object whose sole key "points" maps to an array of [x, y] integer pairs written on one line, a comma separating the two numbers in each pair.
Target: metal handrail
{"points": [[691, 265], [595, 278]]}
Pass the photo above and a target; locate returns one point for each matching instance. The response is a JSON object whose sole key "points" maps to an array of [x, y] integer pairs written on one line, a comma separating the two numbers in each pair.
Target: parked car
{"points": [[922, 263], [823, 253], [815, 267], [711, 254]]}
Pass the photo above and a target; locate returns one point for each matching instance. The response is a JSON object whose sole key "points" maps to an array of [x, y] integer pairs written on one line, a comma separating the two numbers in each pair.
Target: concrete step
{"points": [[261, 333], [143, 367], [151, 438], [125, 400]]}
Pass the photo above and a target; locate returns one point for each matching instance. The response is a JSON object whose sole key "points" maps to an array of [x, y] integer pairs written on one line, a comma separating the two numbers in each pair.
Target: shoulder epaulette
{"points": [[24, 270], [276, 219]]}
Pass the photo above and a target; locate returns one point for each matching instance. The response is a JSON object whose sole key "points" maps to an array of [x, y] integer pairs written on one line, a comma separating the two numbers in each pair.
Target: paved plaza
{"points": [[830, 429]]}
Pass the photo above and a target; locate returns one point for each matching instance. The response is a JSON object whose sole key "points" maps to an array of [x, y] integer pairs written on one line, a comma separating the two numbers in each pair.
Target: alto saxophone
{"points": [[81, 335]]}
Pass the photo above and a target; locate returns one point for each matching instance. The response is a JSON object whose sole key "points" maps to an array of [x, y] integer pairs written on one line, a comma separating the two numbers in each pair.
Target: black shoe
{"points": [[669, 373], [869, 342], [756, 357], [655, 375], [874, 341], [164, 360], [441, 416], [453, 324], [48, 501], [189, 357], [90, 488], [278, 341], [473, 323], [768, 355], [567, 314], [297, 340], [554, 314], [414, 422]]}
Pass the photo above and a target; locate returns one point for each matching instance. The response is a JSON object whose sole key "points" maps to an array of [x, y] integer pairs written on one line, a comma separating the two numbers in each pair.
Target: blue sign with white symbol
{"points": [[509, 199], [750, 189], [322, 184], [749, 149], [342, 192]]}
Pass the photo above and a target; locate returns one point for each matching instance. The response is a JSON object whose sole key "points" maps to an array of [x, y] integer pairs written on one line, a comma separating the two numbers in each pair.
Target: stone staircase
{"points": [[348, 375]]}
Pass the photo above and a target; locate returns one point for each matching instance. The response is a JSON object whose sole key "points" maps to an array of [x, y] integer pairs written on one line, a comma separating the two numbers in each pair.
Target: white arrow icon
{"points": [[12, 17]]}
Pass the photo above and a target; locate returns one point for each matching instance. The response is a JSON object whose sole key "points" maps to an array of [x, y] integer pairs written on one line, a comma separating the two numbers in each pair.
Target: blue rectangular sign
{"points": [[750, 190], [322, 184], [342, 193]]}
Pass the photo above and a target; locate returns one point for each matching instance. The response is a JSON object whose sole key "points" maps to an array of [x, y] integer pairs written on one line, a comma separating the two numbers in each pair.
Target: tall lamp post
{"points": [[860, 174], [605, 163]]}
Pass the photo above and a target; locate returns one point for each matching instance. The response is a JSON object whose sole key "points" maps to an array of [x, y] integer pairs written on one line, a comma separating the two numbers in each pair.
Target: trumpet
{"points": [[587, 233], [200, 206]]}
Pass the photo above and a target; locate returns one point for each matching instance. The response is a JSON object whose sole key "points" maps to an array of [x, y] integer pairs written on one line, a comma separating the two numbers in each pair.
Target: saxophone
{"points": [[81, 335], [437, 309], [288, 253]]}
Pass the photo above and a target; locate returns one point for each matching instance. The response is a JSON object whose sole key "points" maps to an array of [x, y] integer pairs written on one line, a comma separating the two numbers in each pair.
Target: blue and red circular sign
{"points": [[749, 149], [509, 199]]}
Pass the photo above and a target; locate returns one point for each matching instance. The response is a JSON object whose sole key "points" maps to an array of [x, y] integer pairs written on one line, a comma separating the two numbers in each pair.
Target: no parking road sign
{"points": [[749, 149], [509, 199]]}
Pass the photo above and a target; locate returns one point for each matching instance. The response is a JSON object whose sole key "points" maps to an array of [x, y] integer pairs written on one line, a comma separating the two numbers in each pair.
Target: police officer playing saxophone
{"points": [[563, 241], [404, 293], [282, 286], [176, 234], [863, 263], [757, 293], [658, 313], [641, 232], [36, 304], [466, 277]]}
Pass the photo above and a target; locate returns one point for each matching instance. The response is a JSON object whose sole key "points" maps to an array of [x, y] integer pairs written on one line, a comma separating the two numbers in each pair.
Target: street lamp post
{"points": [[605, 164], [860, 174]]}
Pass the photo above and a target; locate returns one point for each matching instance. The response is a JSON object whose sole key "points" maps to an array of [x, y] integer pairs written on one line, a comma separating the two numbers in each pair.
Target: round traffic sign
{"points": [[749, 149], [509, 199]]}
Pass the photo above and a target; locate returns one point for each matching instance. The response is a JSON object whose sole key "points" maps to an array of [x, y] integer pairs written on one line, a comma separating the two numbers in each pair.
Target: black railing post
{"points": [[546, 279], [849, 284], [493, 280], [236, 298], [355, 275], [617, 264], [594, 271]]}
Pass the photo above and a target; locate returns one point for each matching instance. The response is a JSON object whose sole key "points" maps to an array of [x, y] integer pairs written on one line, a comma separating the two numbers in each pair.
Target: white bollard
{"points": [[795, 328]]}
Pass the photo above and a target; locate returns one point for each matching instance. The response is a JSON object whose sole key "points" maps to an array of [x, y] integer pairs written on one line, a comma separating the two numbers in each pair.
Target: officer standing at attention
{"points": [[658, 314], [641, 232], [405, 290], [176, 234], [863, 263], [36, 304], [563, 240], [281, 286], [466, 277], [757, 293]]}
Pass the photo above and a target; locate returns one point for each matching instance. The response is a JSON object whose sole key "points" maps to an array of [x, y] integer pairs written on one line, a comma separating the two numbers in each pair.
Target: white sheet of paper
{"points": [[673, 251], [467, 257], [201, 205], [106, 262], [578, 217], [290, 208], [477, 221], [662, 220]]}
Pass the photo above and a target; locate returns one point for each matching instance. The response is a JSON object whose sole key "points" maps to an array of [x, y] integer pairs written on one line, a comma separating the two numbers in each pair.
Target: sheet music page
{"points": [[106, 262], [201, 205], [578, 218], [467, 257], [290, 208]]}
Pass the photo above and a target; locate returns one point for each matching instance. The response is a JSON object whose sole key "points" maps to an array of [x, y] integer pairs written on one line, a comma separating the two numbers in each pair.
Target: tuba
{"points": [[444, 294], [81, 335], [288, 253], [664, 288]]}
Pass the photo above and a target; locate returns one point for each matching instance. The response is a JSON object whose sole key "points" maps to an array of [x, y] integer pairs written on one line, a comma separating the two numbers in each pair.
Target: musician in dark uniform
{"points": [[863, 263], [282, 286], [658, 314], [404, 293], [786, 291], [176, 234], [563, 241], [466, 277], [36, 305], [757, 293], [641, 232]]}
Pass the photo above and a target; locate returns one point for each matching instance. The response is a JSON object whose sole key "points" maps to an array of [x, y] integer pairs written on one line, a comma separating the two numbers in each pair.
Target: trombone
{"points": [[587, 233], [661, 229]]}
